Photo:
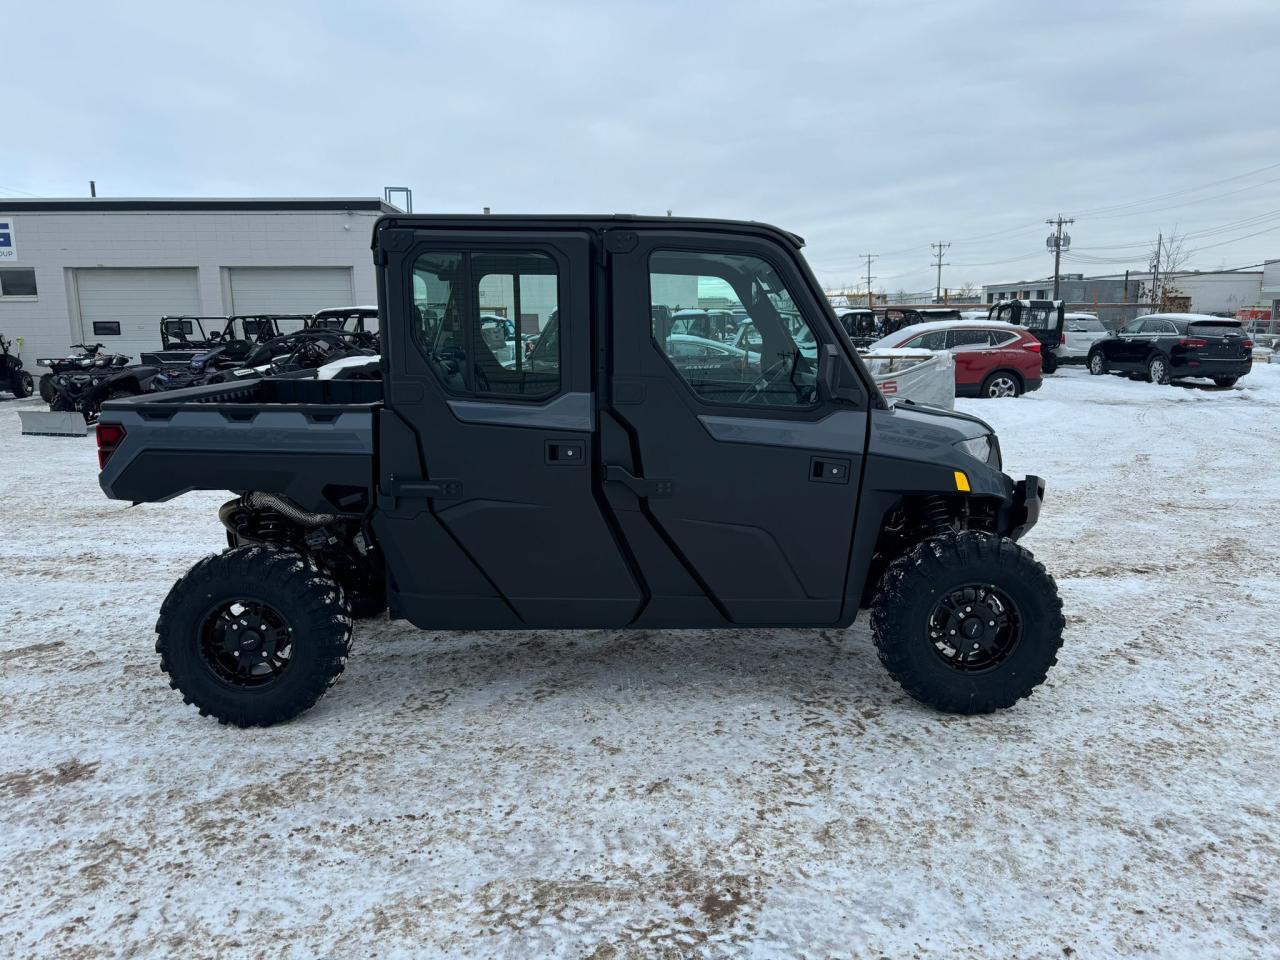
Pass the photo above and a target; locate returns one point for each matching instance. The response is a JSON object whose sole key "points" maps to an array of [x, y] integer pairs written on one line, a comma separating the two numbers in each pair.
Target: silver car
{"points": [[1079, 331]]}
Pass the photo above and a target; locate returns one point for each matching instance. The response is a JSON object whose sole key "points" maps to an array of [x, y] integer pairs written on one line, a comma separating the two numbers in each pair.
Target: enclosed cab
{"points": [[602, 481]]}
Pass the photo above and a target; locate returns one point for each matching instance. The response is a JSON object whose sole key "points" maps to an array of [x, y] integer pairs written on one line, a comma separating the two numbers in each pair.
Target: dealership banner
{"points": [[8, 241]]}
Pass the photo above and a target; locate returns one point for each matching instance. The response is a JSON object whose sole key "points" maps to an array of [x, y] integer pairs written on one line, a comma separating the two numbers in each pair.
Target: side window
{"points": [[487, 323], [1001, 338], [933, 340], [1157, 326], [970, 338], [769, 357]]}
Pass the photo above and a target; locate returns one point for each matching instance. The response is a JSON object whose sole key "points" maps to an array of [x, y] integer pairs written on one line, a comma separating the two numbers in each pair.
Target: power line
{"points": [[1174, 193]]}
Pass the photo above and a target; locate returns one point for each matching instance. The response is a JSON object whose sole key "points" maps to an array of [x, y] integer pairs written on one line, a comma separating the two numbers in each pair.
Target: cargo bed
{"points": [[310, 440]]}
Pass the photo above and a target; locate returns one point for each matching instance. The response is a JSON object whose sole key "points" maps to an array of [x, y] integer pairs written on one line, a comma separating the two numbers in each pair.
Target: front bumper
{"points": [[1023, 509]]}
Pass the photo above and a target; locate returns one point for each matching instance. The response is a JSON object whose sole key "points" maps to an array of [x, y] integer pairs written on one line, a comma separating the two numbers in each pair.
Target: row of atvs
{"points": [[243, 348]]}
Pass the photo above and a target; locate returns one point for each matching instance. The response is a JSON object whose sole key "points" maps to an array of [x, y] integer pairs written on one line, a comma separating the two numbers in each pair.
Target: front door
{"points": [[732, 472], [487, 444]]}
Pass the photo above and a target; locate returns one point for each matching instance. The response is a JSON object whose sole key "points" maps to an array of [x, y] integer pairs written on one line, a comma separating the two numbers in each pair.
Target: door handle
{"points": [[641, 487], [826, 470]]}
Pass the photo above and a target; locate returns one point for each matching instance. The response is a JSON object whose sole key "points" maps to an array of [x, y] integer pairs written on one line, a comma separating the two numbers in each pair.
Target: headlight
{"points": [[979, 447]]}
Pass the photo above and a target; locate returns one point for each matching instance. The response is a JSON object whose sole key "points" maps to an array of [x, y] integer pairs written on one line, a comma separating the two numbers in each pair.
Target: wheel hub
{"points": [[975, 628], [245, 643]]}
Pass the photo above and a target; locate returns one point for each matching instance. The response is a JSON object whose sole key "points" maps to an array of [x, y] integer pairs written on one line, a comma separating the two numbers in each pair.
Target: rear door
{"points": [[971, 351], [737, 492], [489, 514]]}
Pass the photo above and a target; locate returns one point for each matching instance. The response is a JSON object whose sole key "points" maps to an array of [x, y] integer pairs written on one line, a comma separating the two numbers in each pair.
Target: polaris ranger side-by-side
{"points": [[607, 478]]}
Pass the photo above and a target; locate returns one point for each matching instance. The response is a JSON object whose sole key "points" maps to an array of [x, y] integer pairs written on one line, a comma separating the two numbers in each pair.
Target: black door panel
{"points": [[529, 525], [739, 510]]}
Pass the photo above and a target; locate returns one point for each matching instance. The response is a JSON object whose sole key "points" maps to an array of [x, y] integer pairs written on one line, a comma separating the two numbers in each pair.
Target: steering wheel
{"points": [[758, 391]]}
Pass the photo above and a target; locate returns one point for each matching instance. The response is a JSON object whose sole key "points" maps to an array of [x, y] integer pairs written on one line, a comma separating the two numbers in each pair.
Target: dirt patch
{"points": [[25, 782]]}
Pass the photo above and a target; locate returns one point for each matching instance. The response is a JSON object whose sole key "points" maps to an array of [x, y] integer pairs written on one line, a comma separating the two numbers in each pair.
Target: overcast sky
{"points": [[866, 128]]}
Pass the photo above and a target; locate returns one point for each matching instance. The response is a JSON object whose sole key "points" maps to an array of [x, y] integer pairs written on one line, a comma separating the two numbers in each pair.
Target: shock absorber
{"points": [[937, 516]]}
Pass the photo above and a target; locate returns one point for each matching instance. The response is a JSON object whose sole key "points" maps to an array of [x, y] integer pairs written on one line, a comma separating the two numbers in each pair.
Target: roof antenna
{"points": [[486, 210], [93, 188]]}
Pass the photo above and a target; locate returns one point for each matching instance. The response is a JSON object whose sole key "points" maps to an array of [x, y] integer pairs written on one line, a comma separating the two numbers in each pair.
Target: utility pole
{"points": [[1055, 243], [1155, 273], [869, 257], [941, 248]]}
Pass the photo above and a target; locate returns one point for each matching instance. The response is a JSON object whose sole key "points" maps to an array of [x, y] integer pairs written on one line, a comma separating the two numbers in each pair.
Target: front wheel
{"points": [[1001, 384], [1158, 370], [47, 393], [1097, 365], [254, 636], [967, 622]]}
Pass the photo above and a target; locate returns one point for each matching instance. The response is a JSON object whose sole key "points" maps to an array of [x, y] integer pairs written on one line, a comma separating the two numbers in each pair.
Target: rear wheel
{"points": [[1097, 365], [1225, 381], [22, 384], [254, 636], [1158, 370], [968, 622], [1001, 384], [1048, 361]]}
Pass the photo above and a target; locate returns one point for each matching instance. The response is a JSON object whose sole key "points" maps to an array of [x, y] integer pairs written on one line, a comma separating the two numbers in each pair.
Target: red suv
{"points": [[992, 359]]}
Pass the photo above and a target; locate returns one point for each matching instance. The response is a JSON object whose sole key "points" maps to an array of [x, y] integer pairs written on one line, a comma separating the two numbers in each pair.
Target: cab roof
{"points": [[527, 221]]}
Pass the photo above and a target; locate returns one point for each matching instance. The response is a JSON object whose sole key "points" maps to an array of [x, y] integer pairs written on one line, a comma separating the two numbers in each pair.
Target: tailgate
{"points": [[1221, 341]]}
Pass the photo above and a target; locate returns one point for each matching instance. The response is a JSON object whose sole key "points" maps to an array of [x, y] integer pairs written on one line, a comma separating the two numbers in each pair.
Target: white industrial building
{"points": [[105, 270]]}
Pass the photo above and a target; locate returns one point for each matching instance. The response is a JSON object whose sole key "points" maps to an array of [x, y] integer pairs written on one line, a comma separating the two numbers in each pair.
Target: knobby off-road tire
{"points": [[276, 608], [47, 393], [992, 576], [22, 385]]}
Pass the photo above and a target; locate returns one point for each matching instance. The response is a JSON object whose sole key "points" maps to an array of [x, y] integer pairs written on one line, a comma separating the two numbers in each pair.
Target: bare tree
{"points": [[1168, 257], [968, 291]]}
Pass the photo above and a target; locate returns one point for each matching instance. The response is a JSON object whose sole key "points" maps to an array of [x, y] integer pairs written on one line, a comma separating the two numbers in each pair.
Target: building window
{"points": [[1041, 294], [488, 323], [106, 328], [17, 282], [991, 298]]}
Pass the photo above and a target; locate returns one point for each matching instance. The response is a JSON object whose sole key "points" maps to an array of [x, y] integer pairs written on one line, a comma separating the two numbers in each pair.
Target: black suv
{"points": [[1167, 346]]}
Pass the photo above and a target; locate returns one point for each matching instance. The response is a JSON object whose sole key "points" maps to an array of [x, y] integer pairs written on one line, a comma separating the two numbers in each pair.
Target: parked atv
{"points": [[110, 378], [12, 377], [86, 359]]}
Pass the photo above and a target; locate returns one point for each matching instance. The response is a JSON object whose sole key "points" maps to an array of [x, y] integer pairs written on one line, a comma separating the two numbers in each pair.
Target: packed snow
{"points": [[674, 794]]}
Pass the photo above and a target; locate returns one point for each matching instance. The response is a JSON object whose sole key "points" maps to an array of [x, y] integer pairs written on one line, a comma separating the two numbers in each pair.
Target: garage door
{"points": [[289, 289], [132, 300]]}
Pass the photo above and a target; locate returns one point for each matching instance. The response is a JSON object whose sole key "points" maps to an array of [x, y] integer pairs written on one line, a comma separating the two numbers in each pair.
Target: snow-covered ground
{"points": [[642, 794]]}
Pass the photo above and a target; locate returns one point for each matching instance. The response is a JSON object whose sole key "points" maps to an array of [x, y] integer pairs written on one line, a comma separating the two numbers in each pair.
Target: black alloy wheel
{"points": [[975, 628], [245, 642]]}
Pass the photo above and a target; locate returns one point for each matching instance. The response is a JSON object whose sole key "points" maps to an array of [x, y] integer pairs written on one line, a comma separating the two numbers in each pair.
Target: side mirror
{"points": [[831, 374]]}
